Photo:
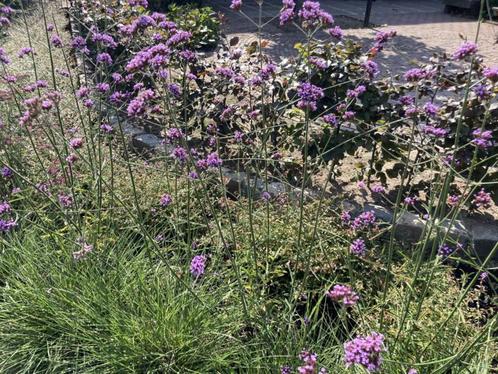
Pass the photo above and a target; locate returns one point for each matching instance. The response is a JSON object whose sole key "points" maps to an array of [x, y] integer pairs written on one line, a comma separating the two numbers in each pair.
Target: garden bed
{"points": [[284, 217]]}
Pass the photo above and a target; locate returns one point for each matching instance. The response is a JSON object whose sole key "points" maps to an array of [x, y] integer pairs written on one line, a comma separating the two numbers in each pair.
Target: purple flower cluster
{"points": [[482, 138], [445, 250], [453, 200], [482, 199], [85, 250], [7, 225], [165, 200], [287, 11], [213, 160], [6, 172], [179, 154], [365, 351], [358, 247], [308, 94], [79, 43], [66, 201], [156, 56], [309, 365], [417, 74], [312, 15], [491, 74], [4, 207], [104, 39], [466, 49], [236, 5], [378, 188], [25, 51], [371, 68], [364, 221], [356, 92], [138, 105], [104, 58], [4, 59], [382, 37], [336, 32], [437, 132], [198, 265], [343, 294], [482, 91], [431, 109]]}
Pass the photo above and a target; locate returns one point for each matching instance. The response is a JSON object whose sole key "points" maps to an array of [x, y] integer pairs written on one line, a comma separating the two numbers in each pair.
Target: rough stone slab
{"points": [[146, 143]]}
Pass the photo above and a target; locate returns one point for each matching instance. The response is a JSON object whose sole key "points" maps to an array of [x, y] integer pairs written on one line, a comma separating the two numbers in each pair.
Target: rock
{"points": [[484, 237], [146, 143]]}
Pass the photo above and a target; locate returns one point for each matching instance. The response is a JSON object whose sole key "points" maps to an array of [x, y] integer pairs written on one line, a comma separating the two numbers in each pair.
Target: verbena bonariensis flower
{"points": [[312, 15], [308, 94], [4, 21], [378, 188], [178, 38], [287, 11], [431, 109], [4, 59], [412, 371], [7, 10], [7, 224], [106, 128], [382, 37], [174, 89], [491, 73], [371, 68], [453, 200], [358, 247], [285, 370], [213, 160], [198, 265], [331, 119], [56, 41], [174, 133], [65, 200], [165, 200], [25, 51], [356, 92], [268, 71], [410, 200], [364, 221], [435, 131], [6, 172], [156, 56], [309, 363], [482, 91], [445, 250], [236, 5], [417, 74], [466, 49], [365, 351], [343, 294], [142, 3], [4, 207], [406, 100], [482, 199], [139, 104], [104, 58], [104, 39], [482, 138], [179, 154], [76, 143], [85, 249], [336, 32]]}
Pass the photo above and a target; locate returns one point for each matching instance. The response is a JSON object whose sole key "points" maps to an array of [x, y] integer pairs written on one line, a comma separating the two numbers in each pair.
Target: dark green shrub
{"points": [[203, 23]]}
